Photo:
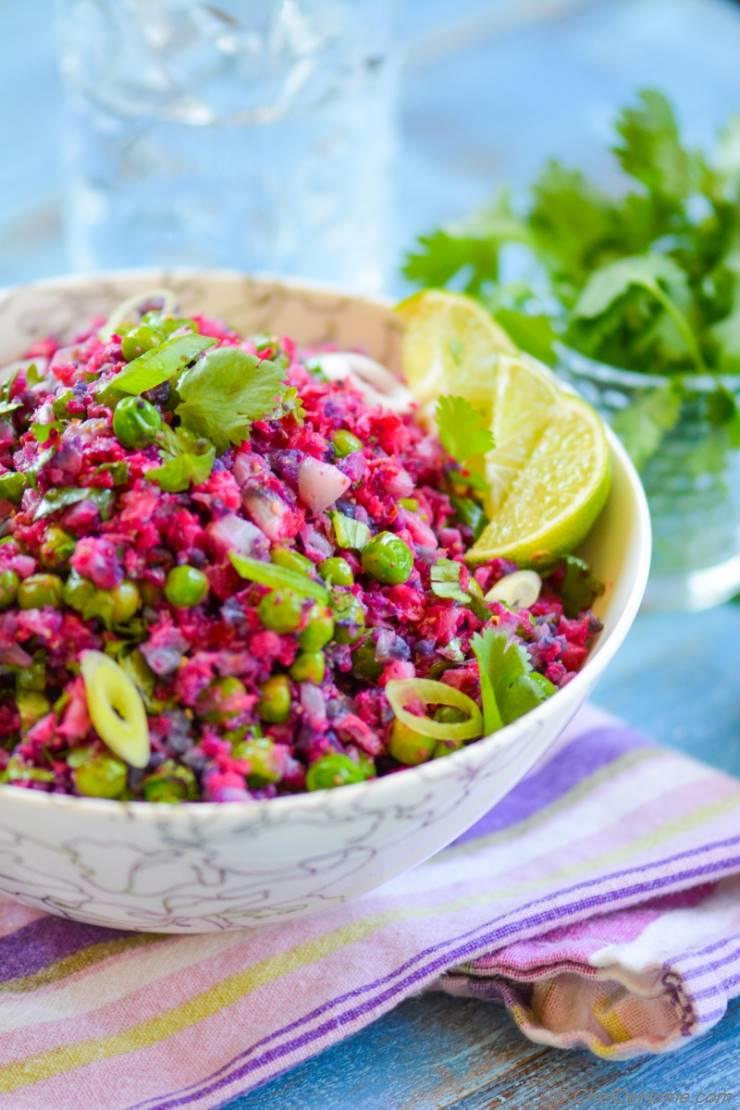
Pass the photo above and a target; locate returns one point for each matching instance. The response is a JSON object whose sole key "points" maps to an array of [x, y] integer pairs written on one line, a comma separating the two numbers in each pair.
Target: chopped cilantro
{"points": [[225, 391], [188, 460], [61, 498], [509, 687], [579, 587]]}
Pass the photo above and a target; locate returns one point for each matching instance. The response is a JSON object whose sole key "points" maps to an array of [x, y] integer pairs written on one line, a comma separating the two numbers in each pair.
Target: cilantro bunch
{"points": [[646, 280]]}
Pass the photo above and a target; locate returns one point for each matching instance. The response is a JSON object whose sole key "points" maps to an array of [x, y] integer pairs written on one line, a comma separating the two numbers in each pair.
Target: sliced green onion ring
{"points": [[128, 309], [278, 578], [404, 691]]}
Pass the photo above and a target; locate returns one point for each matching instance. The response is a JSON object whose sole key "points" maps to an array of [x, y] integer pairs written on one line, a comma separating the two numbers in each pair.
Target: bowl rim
{"points": [[386, 788]]}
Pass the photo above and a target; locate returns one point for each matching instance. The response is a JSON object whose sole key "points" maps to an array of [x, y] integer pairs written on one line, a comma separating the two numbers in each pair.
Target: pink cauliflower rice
{"points": [[259, 572]]}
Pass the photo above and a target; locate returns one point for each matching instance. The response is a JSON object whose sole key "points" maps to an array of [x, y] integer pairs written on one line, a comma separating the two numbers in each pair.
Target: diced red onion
{"points": [[320, 484], [400, 484], [421, 532], [270, 513], [313, 704], [315, 545], [235, 534], [13, 655], [246, 466]]}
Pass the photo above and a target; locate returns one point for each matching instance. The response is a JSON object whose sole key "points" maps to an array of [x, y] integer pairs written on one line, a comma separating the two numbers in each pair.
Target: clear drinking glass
{"points": [[254, 134], [692, 484]]}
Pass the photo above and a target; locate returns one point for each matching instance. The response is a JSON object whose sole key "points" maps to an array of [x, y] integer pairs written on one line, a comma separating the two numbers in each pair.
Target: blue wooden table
{"points": [[490, 88]]}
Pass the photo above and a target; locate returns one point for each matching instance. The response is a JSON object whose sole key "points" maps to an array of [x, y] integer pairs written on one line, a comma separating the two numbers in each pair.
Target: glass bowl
{"points": [[692, 483]]}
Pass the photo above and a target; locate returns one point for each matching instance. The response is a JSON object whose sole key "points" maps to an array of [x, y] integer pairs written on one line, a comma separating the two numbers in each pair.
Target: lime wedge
{"points": [[555, 491], [450, 345], [548, 476], [523, 398]]}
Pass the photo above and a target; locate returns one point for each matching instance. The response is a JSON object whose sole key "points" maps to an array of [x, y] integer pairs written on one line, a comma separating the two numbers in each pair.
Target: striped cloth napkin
{"points": [[600, 901]]}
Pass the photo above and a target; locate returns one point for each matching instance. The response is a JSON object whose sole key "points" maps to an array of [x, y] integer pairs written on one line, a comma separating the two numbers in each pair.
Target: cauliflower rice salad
{"points": [[225, 575]]}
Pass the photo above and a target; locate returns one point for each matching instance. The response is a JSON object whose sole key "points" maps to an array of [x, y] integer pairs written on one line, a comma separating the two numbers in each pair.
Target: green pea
{"points": [[409, 503], [126, 601], [334, 770], [292, 560], [309, 667], [186, 586], [32, 677], [409, 747], [365, 666], [349, 617], [275, 699], [387, 558], [9, 583], [57, 548], [170, 784], [336, 571], [222, 700], [446, 747], [318, 630], [281, 610], [12, 486], [80, 594], [449, 714], [265, 764], [140, 339], [345, 443], [136, 422], [100, 776], [32, 706], [40, 590]]}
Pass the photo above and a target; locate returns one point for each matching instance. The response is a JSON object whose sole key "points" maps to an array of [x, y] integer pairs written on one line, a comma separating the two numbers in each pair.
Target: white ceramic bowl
{"points": [[202, 867]]}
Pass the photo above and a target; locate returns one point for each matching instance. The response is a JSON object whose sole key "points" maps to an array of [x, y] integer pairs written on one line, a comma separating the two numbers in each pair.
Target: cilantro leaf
{"points": [[225, 391], [643, 425], [509, 688], [64, 496], [664, 281], [531, 332], [612, 281], [187, 460], [469, 512], [488, 647], [160, 364], [445, 581], [468, 251], [462, 431], [579, 588], [573, 223], [651, 149], [726, 334]]}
